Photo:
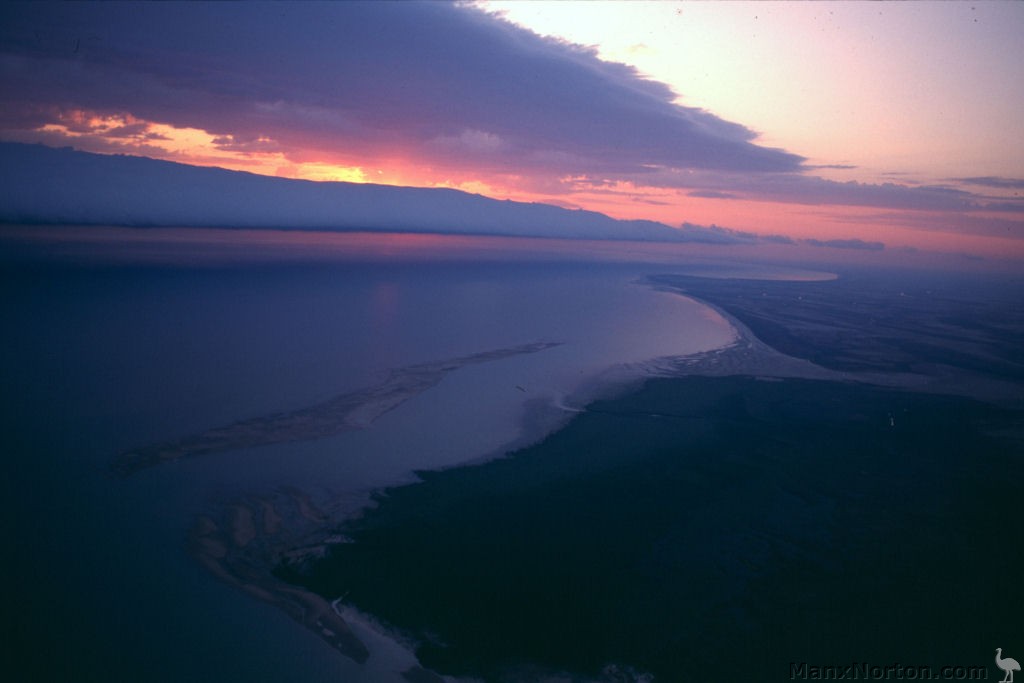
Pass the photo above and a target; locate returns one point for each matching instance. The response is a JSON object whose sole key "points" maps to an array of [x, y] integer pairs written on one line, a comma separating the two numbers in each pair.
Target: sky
{"points": [[856, 124]]}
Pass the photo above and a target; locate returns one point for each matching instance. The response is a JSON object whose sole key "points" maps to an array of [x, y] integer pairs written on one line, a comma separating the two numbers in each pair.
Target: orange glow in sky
{"points": [[907, 115], [624, 200], [131, 135]]}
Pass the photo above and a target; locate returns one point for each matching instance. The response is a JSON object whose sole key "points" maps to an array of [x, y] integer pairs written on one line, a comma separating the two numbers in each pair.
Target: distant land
{"points": [[45, 185]]}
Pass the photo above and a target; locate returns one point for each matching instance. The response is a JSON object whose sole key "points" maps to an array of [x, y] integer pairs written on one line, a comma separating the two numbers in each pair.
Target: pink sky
{"points": [[892, 123]]}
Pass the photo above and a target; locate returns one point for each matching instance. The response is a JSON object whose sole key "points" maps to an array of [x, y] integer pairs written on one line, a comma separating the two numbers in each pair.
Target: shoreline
{"points": [[748, 355], [252, 536], [244, 554]]}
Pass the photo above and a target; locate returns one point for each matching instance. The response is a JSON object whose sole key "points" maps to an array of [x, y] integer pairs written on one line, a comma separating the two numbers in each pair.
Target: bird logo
{"points": [[1009, 665]]}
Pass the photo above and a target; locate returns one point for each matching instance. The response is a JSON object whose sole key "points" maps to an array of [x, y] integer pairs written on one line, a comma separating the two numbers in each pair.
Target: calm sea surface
{"points": [[107, 348]]}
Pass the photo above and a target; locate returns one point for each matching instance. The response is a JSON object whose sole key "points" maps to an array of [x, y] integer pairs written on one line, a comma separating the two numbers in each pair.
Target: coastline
{"points": [[250, 538], [580, 553], [748, 355], [253, 537], [244, 554], [293, 529], [90, 400], [908, 335]]}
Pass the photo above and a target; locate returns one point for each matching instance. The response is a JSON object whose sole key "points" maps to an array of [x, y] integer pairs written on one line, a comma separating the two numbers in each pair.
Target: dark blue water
{"points": [[101, 356]]}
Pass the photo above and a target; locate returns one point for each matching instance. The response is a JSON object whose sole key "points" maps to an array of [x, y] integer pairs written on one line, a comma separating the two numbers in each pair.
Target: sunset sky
{"points": [[897, 123]]}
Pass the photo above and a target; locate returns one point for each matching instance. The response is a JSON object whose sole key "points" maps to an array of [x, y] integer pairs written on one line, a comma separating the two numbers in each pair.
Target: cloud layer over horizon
{"points": [[41, 185], [421, 93]]}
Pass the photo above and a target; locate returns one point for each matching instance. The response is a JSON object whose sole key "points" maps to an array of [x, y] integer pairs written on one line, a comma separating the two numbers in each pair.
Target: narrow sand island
{"points": [[347, 412]]}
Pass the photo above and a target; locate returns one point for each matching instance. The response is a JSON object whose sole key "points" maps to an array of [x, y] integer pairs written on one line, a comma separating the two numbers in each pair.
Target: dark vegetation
{"points": [[704, 529]]}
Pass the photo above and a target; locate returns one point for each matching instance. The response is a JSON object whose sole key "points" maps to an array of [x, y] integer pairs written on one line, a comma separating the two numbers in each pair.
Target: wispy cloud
{"points": [[846, 244], [963, 224], [798, 188], [835, 167], [993, 182], [711, 194], [714, 234]]}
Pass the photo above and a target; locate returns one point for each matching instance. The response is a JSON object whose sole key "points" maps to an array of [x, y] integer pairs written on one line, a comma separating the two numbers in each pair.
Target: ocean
{"points": [[117, 340]]}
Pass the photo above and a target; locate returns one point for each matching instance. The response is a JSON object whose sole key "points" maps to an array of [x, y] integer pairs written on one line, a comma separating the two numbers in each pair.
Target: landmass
{"points": [[745, 510], [349, 411], [254, 534], [948, 333], [664, 531]]}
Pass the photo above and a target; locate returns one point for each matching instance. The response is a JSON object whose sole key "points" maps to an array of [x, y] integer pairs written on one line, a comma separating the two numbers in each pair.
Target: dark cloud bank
{"points": [[446, 87], [429, 80]]}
